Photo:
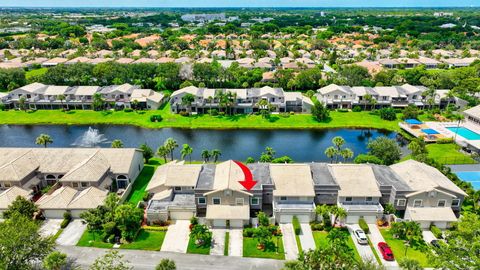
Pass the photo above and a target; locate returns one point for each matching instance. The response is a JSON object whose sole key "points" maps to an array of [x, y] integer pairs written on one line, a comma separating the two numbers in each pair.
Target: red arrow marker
{"points": [[248, 183]]}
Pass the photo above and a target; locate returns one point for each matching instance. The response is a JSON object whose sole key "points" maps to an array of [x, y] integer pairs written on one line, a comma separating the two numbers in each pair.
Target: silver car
{"points": [[361, 237]]}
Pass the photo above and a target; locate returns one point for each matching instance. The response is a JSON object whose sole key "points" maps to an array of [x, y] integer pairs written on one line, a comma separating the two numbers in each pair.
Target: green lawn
{"points": [[140, 184], [398, 248], [447, 154], [35, 72], [226, 244], [321, 240], [147, 240], [87, 240], [193, 249], [300, 121], [375, 251], [250, 249]]}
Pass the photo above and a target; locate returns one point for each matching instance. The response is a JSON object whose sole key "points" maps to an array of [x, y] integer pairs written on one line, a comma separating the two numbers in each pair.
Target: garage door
{"points": [[370, 219], [440, 225], [53, 213], [182, 215], [236, 223], [219, 223], [288, 218], [352, 219], [76, 213]]}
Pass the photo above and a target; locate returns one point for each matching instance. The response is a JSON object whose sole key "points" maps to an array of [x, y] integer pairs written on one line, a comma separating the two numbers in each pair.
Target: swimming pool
{"points": [[472, 177], [465, 132]]}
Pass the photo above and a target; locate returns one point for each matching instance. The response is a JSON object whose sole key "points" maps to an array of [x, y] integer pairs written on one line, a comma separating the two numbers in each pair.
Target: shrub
{"points": [[248, 232], [156, 118], [128, 110], [410, 112], [194, 221], [111, 238], [146, 197], [342, 110], [363, 158], [67, 215], [296, 225], [284, 159], [221, 113], [445, 140], [156, 228], [388, 114], [213, 112], [184, 113], [436, 232], [357, 109], [318, 226], [285, 115], [110, 228], [292, 113], [363, 225], [65, 223]]}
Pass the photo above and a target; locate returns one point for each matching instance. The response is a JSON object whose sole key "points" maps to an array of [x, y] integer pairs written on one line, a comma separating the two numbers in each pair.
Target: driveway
{"points": [[376, 237], [235, 247], [218, 242], [72, 233], [177, 236], [50, 227], [306, 237], [289, 241], [428, 236], [363, 250]]}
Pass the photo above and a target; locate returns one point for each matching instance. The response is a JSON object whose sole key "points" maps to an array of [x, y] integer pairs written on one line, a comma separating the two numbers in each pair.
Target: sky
{"points": [[239, 3]]}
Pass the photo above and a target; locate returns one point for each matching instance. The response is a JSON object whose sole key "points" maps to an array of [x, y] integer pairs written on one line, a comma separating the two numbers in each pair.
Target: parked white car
{"points": [[361, 237]]}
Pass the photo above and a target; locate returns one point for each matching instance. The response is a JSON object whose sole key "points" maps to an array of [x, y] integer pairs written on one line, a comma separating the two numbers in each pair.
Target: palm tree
{"points": [[166, 264], [338, 142], [187, 101], [346, 153], [61, 98], [163, 151], [22, 103], [450, 95], [44, 139], [117, 144], [338, 213], [98, 101], [171, 144], [459, 117], [215, 155], [367, 99], [210, 101], [187, 151], [206, 155], [330, 153]]}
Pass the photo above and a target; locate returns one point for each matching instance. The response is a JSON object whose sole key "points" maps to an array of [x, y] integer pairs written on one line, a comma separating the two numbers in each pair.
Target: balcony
{"points": [[293, 207], [370, 207]]}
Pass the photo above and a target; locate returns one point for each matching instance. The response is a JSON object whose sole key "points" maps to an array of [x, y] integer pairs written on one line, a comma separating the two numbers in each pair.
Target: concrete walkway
{"points": [[72, 233], [235, 246], [147, 260], [306, 237], [428, 236], [218, 242], [289, 241], [376, 237], [363, 250], [50, 227], [177, 236]]}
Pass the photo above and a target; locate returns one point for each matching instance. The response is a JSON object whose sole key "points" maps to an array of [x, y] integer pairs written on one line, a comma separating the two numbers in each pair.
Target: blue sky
{"points": [[240, 3]]}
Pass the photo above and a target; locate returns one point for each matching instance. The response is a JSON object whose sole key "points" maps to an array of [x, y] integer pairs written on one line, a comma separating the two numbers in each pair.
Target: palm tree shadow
{"points": [[326, 121], [273, 119], [235, 117]]}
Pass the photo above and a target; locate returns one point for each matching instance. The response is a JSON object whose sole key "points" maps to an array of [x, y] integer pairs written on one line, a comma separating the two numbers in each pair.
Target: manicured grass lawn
{"points": [[321, 240], [227, 242], [147, 240], [88, 240], [375, 251], [299, 244], [140, 184], [398, 248], [193, 249], [250, 249], [35, 72], [447, 154], [89, 117]]}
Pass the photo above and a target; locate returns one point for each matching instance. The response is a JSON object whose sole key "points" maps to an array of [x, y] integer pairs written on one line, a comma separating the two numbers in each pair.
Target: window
{"points": [[348, 199], [369, 199], [74, 184], [216, 200], [7, 184], [178, 188], [417, 203], [283, 198], [456, 202], [441, 203], [202, 200], [239, 201], [84, 184], [255, 201], [401, 202]]}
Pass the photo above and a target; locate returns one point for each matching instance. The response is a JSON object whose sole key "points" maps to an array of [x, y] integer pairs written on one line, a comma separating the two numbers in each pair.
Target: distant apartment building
{"points": [[242, 100], [212, 192], [41, 96], [203, 17]]}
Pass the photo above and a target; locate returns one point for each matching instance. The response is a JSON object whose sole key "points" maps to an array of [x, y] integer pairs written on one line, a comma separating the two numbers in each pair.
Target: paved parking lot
{"points": [[72, 233], [177, 236], [50, 227]]}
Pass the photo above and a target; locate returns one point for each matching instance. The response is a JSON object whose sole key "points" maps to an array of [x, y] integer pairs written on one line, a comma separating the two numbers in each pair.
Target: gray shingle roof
{"points": [[387, 177], [321, 174], [205, 179]]}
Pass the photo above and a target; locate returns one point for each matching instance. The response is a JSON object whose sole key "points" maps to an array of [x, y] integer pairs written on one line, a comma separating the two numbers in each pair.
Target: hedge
{"points": [[436, 232], [296, 225], [156, 228], [363, 225]]}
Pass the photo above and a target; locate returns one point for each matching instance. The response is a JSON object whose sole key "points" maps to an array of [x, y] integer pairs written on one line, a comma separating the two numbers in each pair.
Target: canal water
{"points": [[301, 145]]}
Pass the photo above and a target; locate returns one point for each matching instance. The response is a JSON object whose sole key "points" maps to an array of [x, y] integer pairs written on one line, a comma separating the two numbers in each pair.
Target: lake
{"points": [[301, 145]]}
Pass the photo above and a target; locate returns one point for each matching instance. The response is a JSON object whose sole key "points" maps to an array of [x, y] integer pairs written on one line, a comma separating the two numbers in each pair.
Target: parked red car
{"points": [[386, 251]]}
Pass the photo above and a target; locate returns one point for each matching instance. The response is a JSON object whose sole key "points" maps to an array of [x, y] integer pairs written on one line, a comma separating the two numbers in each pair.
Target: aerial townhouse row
{"points": [[78, 178], [41, 96], [212, 191], [346, 97], [244, 100]]}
